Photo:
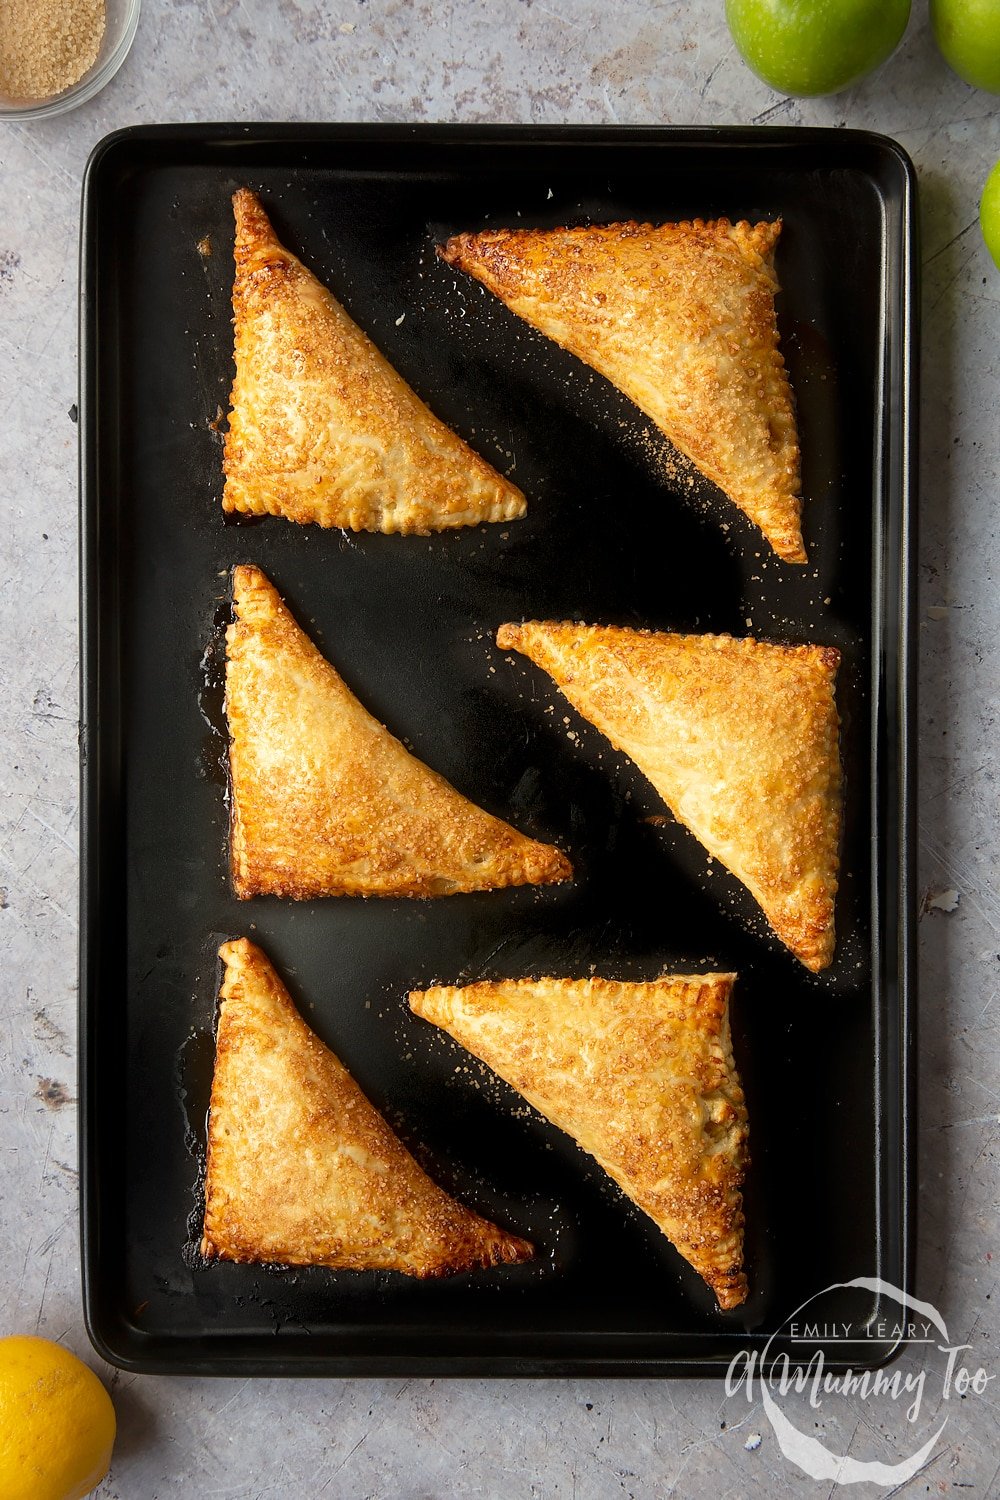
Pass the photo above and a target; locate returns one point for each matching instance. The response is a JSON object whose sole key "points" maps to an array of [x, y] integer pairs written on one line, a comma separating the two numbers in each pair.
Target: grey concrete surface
{"points": [[514, 60]]}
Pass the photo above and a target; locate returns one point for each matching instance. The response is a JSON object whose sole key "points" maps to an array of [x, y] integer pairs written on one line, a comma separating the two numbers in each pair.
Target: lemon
{"points": [[57, 1424]]}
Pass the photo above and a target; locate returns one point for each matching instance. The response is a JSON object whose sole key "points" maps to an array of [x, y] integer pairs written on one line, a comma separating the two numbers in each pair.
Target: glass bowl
{"points": [[119, 34]]}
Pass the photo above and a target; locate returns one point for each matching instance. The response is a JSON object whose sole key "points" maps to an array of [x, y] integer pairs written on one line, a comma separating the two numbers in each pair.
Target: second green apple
{"points": [[968, 33]]}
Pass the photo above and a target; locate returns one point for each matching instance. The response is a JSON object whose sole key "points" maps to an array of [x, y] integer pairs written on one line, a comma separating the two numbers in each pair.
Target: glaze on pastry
{"points": [[302, 1169], [324, 800], [642, 1077], [681, 318], [740, 739], [322, 428]]}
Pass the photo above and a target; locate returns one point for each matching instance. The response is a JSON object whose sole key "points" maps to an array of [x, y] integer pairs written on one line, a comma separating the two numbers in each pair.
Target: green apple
{"points": [[968, 33], [815, 46], [989, 213]]}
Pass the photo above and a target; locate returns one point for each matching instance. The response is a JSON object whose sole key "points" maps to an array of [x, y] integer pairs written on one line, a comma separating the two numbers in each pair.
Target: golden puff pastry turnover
{"points": [[322, 427], [681, 318], [302, 1169], [642, 1077], [741, 740], [324, 800]]}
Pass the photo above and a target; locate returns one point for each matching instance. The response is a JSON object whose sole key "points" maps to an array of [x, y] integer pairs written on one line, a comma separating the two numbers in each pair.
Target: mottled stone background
{"points": [[513, 60]]}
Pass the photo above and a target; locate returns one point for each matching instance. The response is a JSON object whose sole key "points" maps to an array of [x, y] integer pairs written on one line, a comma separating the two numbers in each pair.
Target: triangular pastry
{"points": [[302, 1169], [322, 428], [640, 1075], [740, 739], [324, 800], [681, 318]]}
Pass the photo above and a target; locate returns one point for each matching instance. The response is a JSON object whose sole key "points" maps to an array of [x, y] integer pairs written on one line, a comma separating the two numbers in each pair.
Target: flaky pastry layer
{"points": [[740, 739], [324, 800], [322, 428], [302, 1169], [642, 1076], [680, 317]]}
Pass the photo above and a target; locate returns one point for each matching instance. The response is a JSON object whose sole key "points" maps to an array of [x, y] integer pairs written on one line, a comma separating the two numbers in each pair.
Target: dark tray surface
{"points": [[409, 622]]}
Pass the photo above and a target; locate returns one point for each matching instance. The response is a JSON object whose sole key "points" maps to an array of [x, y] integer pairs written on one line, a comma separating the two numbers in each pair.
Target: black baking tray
{"points": [[609, 537]]}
